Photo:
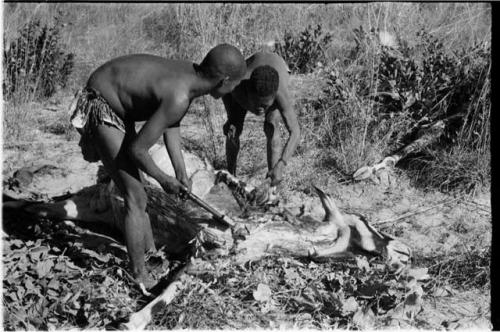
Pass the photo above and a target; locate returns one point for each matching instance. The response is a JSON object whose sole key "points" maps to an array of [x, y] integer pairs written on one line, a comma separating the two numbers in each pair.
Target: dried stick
{"points": [[409, 214]]}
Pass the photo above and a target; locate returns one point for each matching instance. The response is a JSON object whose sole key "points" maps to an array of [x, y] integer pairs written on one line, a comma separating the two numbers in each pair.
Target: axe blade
{"points": [[216, 214]]}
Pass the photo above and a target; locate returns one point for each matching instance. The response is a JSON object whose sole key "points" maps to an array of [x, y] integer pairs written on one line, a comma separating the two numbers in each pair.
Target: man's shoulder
{"points": [[133, 59], [270, 59], [142, 61], [265, 57]]}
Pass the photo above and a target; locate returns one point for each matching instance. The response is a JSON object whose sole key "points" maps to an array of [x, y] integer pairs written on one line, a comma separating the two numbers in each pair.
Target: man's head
{"points": [[264, 82], [226, 64]]}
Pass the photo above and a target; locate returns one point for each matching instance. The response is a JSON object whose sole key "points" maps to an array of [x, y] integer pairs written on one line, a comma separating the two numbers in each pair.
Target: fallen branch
{"points": [[139, 319], [413, 213], [482, 207]]}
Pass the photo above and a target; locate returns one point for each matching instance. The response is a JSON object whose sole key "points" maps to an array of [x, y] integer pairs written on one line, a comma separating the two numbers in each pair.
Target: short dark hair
{"points": [[265, 80]]}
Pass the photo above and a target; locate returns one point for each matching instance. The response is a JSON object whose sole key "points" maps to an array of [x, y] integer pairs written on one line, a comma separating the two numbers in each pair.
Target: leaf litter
{"points": [[51, 281], [52, 278]]}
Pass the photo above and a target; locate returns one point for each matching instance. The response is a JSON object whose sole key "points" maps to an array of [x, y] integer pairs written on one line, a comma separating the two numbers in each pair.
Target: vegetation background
{"points": [[366, 74], [364, 77]]}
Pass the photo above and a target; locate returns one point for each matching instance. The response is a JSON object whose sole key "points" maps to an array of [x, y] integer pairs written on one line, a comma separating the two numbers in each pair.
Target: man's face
{"points": [[262, 104], [224, 88]]}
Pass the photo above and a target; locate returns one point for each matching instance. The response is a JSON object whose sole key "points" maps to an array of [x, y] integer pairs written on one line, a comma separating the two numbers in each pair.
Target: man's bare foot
{"points": [[145, 279]]}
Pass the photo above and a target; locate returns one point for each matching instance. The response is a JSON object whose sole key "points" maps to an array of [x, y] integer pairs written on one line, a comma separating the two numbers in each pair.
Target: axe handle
{"points": [[204, 205]]}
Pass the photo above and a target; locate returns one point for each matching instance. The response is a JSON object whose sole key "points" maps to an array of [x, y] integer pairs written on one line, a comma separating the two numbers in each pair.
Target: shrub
{"points": [[302, 52], [443, 85], [35, 63], [372, 105]]}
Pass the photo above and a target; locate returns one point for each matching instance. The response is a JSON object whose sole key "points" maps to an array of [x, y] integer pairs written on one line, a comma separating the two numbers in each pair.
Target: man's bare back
{"points": [[156, 90], [135, 85]]}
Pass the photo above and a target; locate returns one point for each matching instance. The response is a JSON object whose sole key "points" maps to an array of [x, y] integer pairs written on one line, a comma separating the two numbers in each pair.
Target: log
{"points": [[425, 136]]}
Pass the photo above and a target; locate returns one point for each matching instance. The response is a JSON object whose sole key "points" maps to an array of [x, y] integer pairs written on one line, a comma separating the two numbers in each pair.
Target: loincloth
{"points": [[89, 110]]}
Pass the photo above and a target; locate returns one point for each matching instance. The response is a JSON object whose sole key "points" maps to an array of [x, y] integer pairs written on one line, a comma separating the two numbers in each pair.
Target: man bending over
{"points": [[159, 91], [264, 92]]}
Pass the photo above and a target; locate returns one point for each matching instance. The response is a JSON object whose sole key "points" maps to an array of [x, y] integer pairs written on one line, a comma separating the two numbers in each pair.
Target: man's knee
{"points": [[136, 198]]}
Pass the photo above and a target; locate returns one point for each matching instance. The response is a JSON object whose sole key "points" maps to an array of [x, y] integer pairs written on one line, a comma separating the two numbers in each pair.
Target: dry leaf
{"points": [[362, 263], [43, 268], [93, 254], [263, 293], [349, 305], [37, 254], [54, 284], [419, 274], [364, 318], [15, 243]]}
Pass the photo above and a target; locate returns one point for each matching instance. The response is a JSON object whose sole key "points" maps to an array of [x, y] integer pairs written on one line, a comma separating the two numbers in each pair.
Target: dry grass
{"points": [[98, 32], [223, 299], [20, 123], [458, 170]]}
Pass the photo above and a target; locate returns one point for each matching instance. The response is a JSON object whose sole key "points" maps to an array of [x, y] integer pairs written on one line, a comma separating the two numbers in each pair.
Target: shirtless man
{"points": [[264, 92], [159, 91]]}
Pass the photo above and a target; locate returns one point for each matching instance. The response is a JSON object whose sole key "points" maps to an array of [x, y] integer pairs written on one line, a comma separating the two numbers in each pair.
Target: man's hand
{"points": [[230, 132], [188, 184], [276, 174], [173, 186]]}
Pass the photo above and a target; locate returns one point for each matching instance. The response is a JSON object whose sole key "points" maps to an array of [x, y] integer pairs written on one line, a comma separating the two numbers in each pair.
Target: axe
{"points": [[216, 214]]}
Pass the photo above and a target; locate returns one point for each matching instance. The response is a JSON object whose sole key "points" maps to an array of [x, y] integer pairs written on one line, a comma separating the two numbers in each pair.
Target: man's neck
{"points": [[201, 85]]}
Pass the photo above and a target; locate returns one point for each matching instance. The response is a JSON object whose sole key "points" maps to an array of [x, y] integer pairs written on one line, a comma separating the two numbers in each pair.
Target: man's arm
{"points": [[172, 140], [292, 125], [232, 130], [167, 115], [277, 162]]}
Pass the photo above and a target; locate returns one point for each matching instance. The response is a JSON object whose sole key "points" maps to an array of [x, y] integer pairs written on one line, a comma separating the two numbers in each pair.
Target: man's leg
{"points": [[232, 130], [111, 144], [273, 141]]}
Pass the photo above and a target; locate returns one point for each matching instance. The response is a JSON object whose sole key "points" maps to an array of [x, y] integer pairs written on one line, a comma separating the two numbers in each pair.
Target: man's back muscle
{"points": [[135, 85]]}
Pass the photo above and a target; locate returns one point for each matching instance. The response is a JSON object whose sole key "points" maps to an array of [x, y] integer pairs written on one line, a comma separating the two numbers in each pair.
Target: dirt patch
{"points": [[436, 226]]}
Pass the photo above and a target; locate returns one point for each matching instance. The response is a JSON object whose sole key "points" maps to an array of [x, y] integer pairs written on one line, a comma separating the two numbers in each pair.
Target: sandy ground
{"points": [[435, 223]]}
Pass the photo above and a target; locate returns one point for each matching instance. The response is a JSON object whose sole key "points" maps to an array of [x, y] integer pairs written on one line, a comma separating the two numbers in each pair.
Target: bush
{"points": [[302, 52], [372, 105], [442, 86], [35, 63]]}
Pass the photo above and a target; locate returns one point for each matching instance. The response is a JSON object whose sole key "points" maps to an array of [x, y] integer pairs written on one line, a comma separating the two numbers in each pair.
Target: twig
{"points": [[443, 262], [409, 214], [480, 206]]}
